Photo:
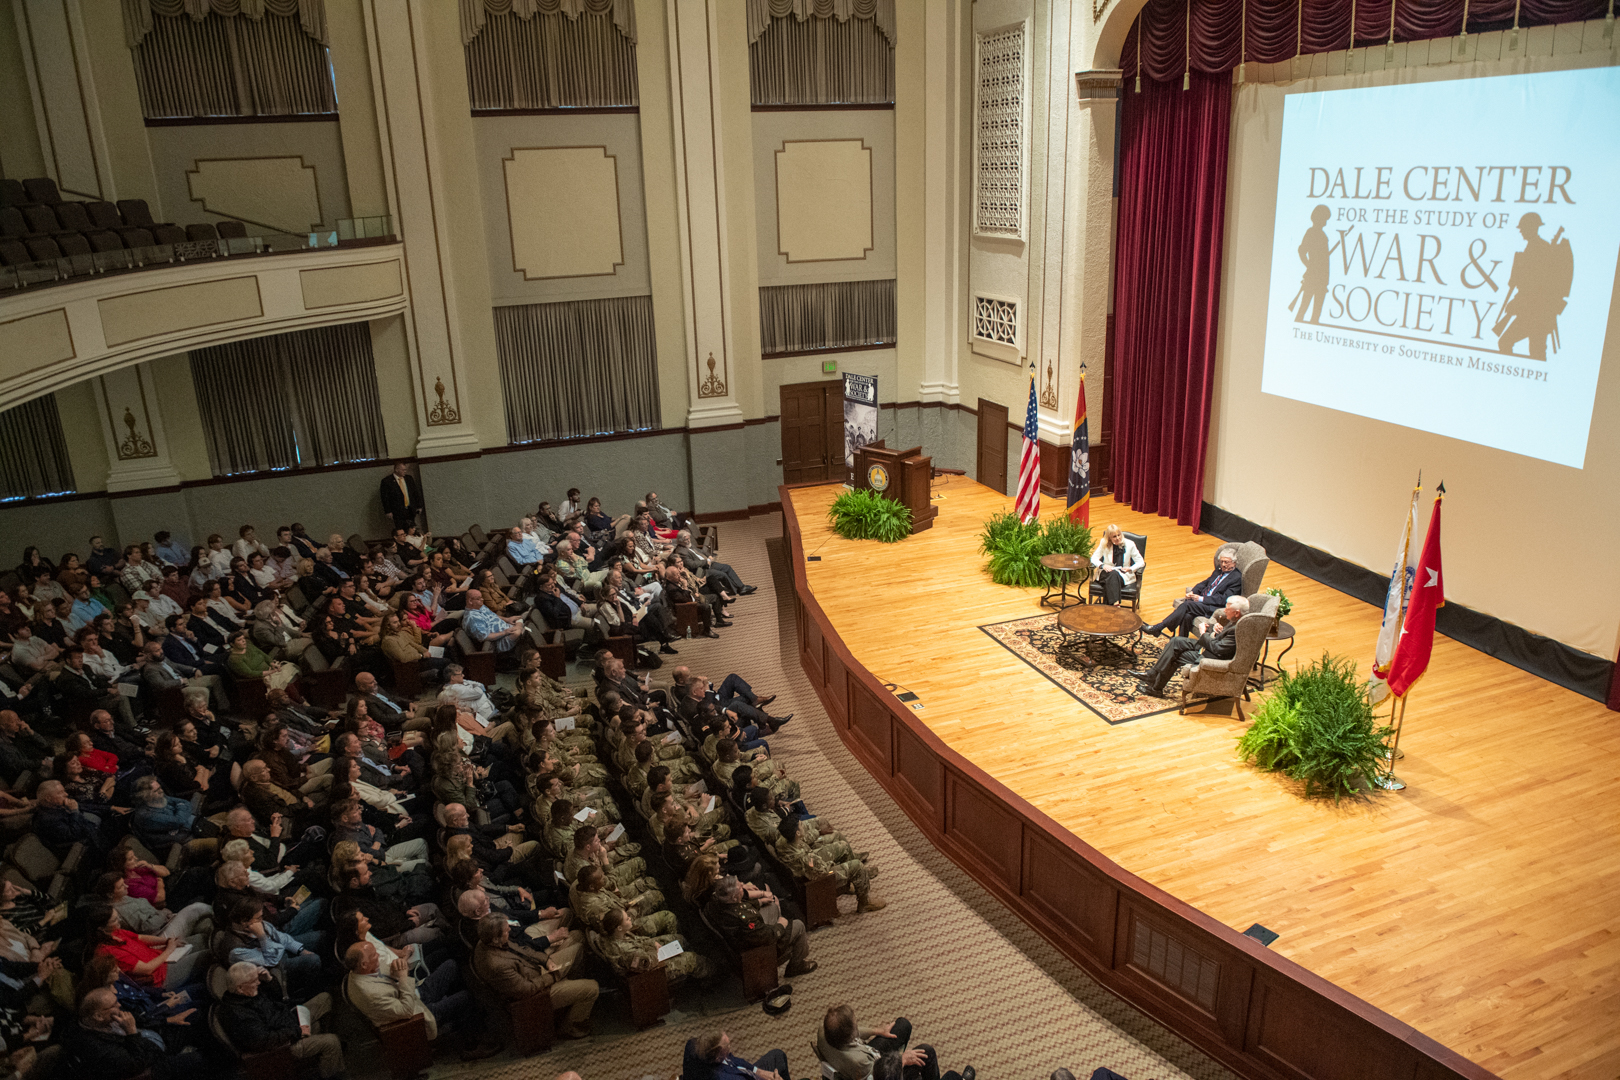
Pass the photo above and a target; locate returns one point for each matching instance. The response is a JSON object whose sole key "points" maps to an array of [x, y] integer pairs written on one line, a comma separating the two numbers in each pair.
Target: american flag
{"points": [[1029, 465]]}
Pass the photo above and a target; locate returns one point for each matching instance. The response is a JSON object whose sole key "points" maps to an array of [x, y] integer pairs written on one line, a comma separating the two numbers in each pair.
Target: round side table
{"points": [[1281, 632], [1062, 569]]}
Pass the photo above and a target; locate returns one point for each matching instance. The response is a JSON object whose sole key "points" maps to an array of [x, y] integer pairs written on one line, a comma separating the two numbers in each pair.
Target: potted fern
{"points": [[866, 515], [1317, 727], [1014, 548]]}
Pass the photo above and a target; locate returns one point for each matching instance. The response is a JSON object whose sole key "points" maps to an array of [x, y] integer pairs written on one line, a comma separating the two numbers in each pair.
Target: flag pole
{"points": [[1389, 781]]}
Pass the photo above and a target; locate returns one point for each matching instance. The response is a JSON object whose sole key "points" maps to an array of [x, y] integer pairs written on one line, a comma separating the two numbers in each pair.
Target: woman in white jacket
{"points": [[1117, 563]]}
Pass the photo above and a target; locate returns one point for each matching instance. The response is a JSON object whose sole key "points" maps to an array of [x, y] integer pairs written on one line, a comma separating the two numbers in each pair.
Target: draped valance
{"points": [[1225, 33], [473, 13], [138, 14], [761, 12]]}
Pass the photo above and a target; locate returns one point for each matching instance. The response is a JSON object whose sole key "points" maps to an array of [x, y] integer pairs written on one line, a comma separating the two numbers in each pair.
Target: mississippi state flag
{"points": [[1029, 464], [1080, 462], [1428, 596]]}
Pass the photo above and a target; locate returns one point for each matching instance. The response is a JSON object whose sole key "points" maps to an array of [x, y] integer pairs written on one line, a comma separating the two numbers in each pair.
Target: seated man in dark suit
{"points": [[1204, 598], [1215, 643], [709, 1057]]}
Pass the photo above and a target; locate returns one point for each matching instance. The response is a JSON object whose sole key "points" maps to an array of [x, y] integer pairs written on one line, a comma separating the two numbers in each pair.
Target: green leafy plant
{"points": [[1284, 605], [1015, 549], [866, 515], [1317, 727]]}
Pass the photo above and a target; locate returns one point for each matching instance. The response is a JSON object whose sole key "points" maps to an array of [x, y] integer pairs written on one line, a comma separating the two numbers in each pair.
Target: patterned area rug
{"points": [[1107, 688]]}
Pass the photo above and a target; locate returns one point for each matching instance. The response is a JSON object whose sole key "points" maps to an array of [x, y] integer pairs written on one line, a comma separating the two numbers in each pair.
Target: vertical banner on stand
{"points": [[860, 418]]}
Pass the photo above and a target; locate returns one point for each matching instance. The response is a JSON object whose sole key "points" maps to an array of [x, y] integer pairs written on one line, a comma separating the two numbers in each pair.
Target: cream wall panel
{"points": [[852, 140], [109, 80], [358, 121], [276, 193], [657, 194], [275, 177], [119, 319], [564, 206], [178, 307], [342, 285], [461, 236], [909, 192], [737, 204], [188, 449], [81, 430], [64, 117], [38, 340], [20, 153], [1356, 473], [393, 362]]}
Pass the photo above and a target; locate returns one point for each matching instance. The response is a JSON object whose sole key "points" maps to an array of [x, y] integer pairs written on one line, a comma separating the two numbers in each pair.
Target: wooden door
{"points": [[991, 470], [812, 432]]}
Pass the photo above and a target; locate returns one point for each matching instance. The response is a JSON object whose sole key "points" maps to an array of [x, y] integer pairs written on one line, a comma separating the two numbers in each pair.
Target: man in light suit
{"points": [[1205, 598], [161, 673], [385, 996], [401, 496], [1217, 643]]}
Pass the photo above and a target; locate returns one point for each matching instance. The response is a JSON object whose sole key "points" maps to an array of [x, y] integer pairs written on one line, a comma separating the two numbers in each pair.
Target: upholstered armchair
{"points": [[1230, 678], [1252, 562]]}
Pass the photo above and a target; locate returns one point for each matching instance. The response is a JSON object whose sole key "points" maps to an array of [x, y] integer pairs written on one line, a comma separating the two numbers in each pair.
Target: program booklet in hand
{"points": [[709, 809], [436, 651], [618, 831], [665, 952], [564, 723], [672, 737]]}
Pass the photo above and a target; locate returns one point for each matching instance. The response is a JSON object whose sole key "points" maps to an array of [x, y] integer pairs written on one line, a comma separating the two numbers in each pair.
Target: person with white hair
{"points": [[464, 693], [256, 1018], [1205, 598], [1221, 645]]}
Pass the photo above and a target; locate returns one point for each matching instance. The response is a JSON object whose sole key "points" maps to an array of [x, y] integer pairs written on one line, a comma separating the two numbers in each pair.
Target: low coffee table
{"points": [[1100, 622]]}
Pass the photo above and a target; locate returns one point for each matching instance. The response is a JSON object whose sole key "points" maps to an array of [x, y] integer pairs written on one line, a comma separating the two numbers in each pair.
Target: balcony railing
{"points": [[78, 267]]}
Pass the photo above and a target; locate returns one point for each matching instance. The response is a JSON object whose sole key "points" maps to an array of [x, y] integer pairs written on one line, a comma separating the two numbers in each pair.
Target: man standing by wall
{"points": [[401, 496]]}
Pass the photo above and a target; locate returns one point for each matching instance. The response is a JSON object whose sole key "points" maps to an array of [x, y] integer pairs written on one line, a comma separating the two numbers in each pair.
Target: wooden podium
{"points": [[902, 475]]}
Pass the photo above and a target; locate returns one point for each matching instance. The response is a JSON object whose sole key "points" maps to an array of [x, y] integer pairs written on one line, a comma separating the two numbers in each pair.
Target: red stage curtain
{"points": [[1167, 291], [1275, 31]]}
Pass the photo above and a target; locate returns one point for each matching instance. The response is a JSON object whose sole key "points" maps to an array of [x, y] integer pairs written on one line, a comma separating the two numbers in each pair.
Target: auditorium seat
{"points": [[232, 230], [136, 213], [71, 216], [13, 253], [137, 238], [72, 244], [104, 215], [201, 233], [42, 189], [168, 234], [12, 223], [43, 248], [104, 240], [12, 193], [41, 222]]}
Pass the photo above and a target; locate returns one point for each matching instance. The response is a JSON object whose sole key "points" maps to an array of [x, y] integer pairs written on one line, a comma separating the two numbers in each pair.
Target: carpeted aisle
{"points": [[975, 981]]}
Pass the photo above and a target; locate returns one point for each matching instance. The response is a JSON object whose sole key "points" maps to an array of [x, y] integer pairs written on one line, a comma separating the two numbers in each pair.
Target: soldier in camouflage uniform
{"points": [[799, 855], [630, 952], [592, 899]]}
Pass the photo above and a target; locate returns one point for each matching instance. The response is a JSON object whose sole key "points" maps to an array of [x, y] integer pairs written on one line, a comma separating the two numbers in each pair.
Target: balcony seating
{"points": [[232, 230], [12, 193], [42, 189], [71, 216], [41, 222]]}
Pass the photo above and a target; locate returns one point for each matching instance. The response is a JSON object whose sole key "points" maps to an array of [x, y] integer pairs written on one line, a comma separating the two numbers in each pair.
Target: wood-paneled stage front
{"points": [[1478, 906]]}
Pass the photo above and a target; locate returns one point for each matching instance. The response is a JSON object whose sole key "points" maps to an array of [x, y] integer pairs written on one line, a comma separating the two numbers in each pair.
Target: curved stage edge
{"points": [[1256, 1012]]}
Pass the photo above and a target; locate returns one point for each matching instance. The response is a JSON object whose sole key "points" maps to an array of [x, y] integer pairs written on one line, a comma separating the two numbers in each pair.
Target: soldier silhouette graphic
{"points": [[1538, 288], [1313, 252]]}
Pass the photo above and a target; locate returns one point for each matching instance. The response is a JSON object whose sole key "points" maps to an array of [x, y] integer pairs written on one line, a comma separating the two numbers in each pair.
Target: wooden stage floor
{"points": [[1479, 905]]}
